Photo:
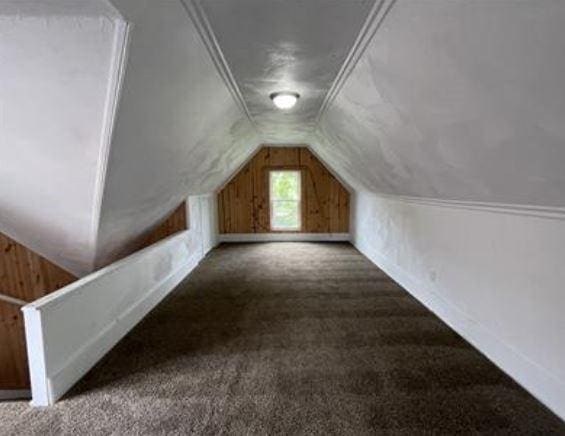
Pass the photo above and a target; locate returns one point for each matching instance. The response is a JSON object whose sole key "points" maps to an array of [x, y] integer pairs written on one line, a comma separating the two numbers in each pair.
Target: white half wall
{"points": [[494, 274], [208, 209], [70, 330]]}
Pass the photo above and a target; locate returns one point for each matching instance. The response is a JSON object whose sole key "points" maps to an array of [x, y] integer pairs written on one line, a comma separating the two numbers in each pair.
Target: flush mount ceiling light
{"points": [[284, 100]]}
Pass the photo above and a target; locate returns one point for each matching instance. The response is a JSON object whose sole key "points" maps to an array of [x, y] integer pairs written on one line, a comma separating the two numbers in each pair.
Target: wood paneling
{"points": [[175, 222], [26, 276], [243, 204]]}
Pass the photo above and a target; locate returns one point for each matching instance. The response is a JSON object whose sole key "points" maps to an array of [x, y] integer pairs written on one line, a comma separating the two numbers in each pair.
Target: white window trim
{"points": [[299, 201]]}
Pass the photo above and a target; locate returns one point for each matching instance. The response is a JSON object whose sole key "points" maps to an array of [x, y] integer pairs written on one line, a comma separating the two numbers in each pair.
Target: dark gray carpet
{"points": [[290, 338]]}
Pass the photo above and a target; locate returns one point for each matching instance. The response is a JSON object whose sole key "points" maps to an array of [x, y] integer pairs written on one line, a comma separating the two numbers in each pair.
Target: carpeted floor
{"points": [[289, 338]]}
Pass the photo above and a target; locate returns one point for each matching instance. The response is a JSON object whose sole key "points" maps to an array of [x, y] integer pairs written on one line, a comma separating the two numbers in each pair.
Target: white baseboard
{"points": [[284, 237], [537, 380]]}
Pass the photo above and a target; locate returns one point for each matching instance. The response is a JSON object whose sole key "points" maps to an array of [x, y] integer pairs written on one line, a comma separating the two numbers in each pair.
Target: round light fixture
{"points": [[284, 100]]}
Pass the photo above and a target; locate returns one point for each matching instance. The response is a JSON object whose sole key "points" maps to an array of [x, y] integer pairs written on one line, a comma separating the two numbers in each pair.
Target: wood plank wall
{"points": [[26, 276], [243, 204], [175, 222]]}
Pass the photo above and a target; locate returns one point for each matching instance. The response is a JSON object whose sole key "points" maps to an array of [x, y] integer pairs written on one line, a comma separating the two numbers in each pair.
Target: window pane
{"points": [[285, 194], [285, 215], [285, 185]]}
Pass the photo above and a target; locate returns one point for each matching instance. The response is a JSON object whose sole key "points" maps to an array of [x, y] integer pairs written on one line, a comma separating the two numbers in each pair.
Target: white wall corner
{"points": [[117, 74]]}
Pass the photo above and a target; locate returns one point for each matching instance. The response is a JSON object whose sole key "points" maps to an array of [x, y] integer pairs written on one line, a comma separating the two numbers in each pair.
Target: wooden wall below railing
{"points": [[26, 276]]}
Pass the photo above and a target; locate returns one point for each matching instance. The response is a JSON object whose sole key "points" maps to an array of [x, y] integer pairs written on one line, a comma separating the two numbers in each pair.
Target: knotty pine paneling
{"points": [[243, 204], [176, 222], [27, 276]]}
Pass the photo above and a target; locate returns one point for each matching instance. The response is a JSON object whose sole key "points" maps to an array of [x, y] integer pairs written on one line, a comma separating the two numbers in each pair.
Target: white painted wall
{"points": [[202, 221], [208, 208], [178, 130], [55, 78], [494, 274], [68, 331]]}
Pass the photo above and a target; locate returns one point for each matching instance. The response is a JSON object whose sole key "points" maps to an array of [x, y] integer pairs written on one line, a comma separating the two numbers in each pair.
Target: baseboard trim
{"points": [[284, 237], [541, 383]]}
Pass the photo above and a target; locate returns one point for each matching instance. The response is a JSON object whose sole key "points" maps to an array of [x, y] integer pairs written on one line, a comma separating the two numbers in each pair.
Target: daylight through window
{"points": [[285, 197]]}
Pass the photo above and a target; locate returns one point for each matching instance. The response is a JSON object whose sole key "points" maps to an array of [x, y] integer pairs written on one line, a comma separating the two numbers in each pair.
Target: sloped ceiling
{"points": [[456, 100], [453, 100], [55, 59], [178, 129], [85, 169], [285, 45]]}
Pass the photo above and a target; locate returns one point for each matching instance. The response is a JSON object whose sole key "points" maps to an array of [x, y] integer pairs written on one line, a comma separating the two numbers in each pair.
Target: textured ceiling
{"points": [[296, 45]]}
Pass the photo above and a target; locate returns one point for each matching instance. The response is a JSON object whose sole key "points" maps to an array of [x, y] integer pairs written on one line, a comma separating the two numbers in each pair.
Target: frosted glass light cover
{"points": [[284, 100]]}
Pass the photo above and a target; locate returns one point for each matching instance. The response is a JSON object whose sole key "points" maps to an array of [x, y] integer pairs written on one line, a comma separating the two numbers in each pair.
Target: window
{"points": [[285, 197]]}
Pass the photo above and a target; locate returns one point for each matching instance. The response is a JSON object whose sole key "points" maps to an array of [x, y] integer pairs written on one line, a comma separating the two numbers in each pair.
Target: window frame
{"points": [[299, 201]]}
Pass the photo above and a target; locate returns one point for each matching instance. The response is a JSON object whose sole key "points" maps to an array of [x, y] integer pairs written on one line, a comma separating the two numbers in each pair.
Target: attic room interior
{"points": [[282, 217]]}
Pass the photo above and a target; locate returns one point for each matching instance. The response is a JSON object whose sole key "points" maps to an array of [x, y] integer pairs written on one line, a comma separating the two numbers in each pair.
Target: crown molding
{"points": [[376, 17], [198, 17], [547, 212]]}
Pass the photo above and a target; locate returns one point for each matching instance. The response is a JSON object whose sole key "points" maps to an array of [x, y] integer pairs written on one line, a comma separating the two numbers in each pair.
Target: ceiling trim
{"points": [[197, 15], [547, 212], [376, 17]]}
